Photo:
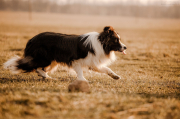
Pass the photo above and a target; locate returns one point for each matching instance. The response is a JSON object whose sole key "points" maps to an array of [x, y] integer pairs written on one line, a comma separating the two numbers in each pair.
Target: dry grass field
{"points": [[150, 72]]}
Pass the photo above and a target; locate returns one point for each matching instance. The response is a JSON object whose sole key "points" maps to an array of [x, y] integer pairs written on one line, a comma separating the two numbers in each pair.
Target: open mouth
{"points": [[121, 50], [124, 52]]}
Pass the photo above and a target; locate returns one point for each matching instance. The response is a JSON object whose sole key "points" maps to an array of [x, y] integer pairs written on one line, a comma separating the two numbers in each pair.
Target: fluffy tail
{"points": [[17, 65]]}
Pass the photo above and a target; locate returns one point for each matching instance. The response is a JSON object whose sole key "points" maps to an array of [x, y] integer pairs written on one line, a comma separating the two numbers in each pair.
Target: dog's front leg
{"points": [[106, 70], [78, 69]]}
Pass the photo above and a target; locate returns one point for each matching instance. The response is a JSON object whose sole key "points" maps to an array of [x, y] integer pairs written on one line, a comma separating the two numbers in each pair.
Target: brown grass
{"points": [[150, 84]]}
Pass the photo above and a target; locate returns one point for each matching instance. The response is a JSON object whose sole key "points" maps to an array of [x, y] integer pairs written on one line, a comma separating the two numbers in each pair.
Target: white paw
{"points": [[82, 79], [114, 76]]}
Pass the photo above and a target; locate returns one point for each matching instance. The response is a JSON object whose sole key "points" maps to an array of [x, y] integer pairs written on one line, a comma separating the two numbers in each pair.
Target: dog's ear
{"points": [[108, 29], [106, 34]]}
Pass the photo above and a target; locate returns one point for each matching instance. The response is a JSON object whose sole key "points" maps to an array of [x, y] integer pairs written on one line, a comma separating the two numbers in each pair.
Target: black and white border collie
{"points": [[46, 50]]}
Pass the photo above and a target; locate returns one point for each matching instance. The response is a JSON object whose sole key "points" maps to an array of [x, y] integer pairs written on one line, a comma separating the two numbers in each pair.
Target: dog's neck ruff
{"points": [[100, 58]]}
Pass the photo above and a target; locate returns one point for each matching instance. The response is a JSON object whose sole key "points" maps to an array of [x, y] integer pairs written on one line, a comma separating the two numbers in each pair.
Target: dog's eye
{"points": [[116, 40]]}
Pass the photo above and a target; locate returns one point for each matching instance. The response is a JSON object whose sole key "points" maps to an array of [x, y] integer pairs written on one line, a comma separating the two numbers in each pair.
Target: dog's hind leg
{"points": [[107, 71], [42, 73], [52, 67]]}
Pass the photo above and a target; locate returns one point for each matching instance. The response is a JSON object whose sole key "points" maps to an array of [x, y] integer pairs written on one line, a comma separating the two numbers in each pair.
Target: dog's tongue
{"points": [[124, 52]]}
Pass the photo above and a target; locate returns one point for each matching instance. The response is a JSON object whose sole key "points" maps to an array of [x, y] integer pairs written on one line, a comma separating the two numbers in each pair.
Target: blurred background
{"points": [[135, 8], [150, 84]]}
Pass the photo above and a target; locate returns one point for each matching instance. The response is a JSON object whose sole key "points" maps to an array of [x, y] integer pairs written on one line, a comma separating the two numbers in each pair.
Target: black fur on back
{"points": [[46, 47]]}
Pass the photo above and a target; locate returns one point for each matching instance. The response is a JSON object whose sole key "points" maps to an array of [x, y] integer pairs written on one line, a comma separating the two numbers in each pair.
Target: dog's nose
{"points": [[125, 47]]}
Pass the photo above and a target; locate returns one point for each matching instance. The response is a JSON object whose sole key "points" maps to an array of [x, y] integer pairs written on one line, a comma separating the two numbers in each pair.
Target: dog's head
{"points": [[111, 41]]}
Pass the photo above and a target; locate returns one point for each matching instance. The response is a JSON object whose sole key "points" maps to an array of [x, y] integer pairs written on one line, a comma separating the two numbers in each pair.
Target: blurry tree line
{"points": [[136, 10]]}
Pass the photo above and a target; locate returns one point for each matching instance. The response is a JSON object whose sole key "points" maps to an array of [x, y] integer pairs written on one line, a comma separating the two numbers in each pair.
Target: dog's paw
{"points": [[114, 76], [48, 78]]}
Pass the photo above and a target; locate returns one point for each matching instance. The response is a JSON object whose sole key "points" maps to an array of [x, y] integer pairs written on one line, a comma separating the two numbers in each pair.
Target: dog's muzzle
{"points": [[123, 49]]}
